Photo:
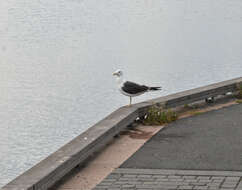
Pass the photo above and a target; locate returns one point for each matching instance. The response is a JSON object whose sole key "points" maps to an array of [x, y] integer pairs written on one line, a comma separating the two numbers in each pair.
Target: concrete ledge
{"points": [[190, 96], [46, 173]]}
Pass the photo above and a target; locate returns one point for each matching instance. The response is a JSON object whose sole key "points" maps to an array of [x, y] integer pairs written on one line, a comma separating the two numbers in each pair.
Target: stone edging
{"points": [[177, 172]]}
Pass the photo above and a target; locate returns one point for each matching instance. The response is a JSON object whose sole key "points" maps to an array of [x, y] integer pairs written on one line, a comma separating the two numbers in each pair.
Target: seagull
{"points": [[131, 89]]}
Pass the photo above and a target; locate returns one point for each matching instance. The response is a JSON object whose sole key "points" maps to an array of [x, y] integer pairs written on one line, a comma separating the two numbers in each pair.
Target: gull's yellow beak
{"points": [[115, 74]]}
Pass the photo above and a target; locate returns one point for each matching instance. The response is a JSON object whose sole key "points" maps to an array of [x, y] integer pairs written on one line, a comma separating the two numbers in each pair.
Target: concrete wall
{"points": [[54, 167]]}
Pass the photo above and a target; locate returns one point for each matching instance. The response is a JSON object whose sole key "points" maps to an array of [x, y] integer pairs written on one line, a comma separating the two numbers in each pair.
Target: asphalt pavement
{"points": [[208, 141]]}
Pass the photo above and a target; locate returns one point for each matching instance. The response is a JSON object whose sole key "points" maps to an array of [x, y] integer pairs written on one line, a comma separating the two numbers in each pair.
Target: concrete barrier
{"points": [[46, 173]]}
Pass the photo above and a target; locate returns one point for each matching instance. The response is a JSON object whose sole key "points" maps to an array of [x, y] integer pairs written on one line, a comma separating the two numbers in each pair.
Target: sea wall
{"points": [[50, 170]]}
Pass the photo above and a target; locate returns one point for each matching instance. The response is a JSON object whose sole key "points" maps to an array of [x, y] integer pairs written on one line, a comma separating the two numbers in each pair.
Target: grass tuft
{"points": [[239, 101], [186, 106], [239, 94], [191, 106], [196, 113], [158, 116]]}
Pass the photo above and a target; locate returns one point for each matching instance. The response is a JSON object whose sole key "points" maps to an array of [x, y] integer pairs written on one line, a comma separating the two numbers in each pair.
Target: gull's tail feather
{"points": [[154, 88]]}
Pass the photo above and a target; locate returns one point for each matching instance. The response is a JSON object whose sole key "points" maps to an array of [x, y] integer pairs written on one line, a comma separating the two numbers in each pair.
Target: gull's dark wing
{"points": [[133, 88]]}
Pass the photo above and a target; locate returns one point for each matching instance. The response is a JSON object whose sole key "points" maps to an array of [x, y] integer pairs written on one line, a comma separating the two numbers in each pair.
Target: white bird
{"points": [[131, 89]]}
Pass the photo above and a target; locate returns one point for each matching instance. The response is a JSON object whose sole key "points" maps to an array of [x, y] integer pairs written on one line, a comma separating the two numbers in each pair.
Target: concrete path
{"points": [[199, 152], [98, 167]]}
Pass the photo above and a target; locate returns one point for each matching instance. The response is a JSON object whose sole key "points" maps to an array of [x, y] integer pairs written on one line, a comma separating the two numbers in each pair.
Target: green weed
{"points": [[158, 116], [239, 101], [239, 94]]}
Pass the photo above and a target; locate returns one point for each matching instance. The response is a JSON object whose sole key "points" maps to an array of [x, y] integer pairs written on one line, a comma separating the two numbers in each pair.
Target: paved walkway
{"points": [[199, 152], [170, 179]]}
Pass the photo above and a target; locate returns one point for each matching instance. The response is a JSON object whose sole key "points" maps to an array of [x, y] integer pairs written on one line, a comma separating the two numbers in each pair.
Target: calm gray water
{"points": [[57, 57]]}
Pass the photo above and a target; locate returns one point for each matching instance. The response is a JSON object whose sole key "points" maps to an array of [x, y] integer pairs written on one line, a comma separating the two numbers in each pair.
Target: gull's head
{"points": [[118, 73]]}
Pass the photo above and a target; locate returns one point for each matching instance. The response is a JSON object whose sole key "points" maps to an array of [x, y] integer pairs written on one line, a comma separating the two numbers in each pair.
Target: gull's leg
{"points": [[130, 100]]}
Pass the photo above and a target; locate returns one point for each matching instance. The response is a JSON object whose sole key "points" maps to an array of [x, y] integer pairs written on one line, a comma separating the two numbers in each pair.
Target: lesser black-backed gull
{"points": [[131, 89]]}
